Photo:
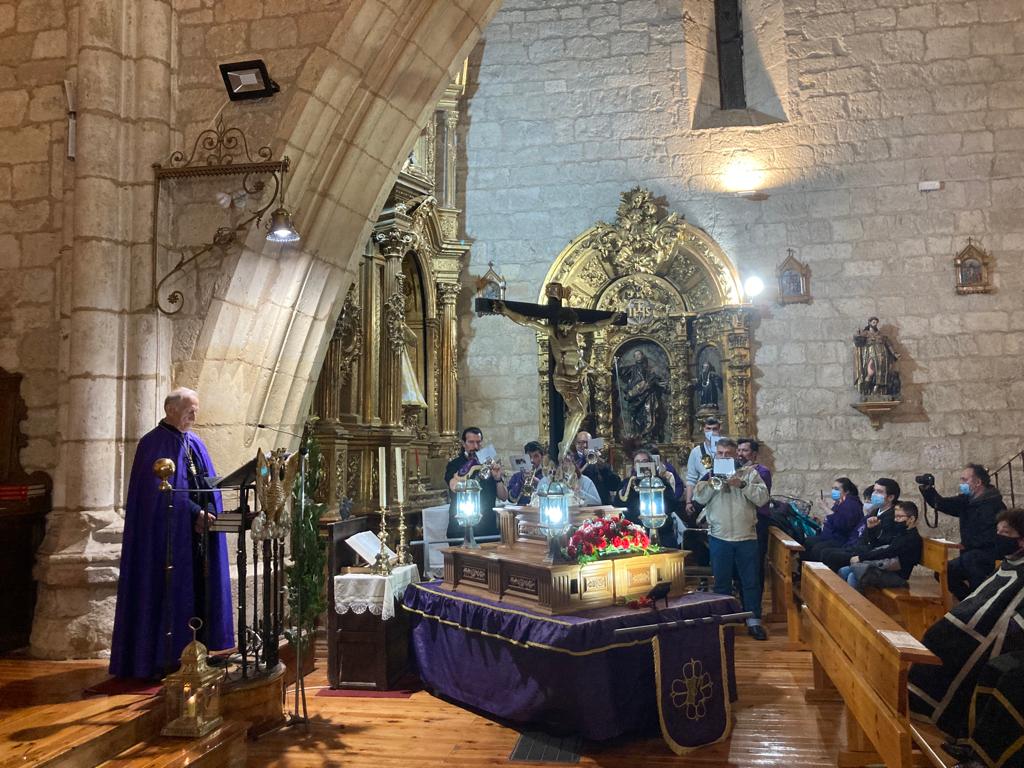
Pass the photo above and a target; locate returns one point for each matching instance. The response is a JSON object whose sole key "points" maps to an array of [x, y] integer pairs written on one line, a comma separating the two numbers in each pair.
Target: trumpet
{"points": [[594, 456], [486, 465], [717, 482]]}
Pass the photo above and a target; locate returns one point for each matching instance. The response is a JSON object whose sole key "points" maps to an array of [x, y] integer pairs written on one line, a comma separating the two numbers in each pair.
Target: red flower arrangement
{"points": [[606, 536]]}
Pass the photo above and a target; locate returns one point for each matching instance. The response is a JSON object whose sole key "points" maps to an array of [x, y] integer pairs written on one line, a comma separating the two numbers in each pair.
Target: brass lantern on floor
{"points": [[467, 509], [652, 506], [192, 694]]}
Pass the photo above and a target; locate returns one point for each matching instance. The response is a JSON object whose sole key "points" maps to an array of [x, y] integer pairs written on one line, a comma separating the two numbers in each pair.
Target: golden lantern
{"points": [[192, 694]]}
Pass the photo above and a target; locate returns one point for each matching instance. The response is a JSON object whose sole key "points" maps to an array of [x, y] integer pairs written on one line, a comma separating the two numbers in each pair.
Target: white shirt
{"points": [[587, 491], [694, 469]]}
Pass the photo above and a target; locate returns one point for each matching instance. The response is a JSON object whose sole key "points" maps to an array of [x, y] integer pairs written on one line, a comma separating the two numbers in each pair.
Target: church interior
{"points": [[685, 252]]}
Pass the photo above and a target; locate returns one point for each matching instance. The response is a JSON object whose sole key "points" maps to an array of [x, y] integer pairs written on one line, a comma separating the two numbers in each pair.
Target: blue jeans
{"points": [[846, 573], [741, 557]]}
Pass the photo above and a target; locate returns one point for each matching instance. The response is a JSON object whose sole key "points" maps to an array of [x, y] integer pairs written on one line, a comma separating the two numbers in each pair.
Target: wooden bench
{"points": [[863, 655], [926, 600], [783, 564]]}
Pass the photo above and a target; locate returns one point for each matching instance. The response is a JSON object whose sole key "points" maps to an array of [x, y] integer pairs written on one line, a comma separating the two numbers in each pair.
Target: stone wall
{"points": [[572, 102]]}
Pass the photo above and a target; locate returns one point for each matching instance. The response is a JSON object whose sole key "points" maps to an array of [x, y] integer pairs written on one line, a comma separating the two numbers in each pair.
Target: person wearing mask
{"points": [[524, 482], [980, 642], [844, 515], [492, 484], [889, 565], [629, 494], [731, 506], [975, 506], [877, 529], [699, 463]]}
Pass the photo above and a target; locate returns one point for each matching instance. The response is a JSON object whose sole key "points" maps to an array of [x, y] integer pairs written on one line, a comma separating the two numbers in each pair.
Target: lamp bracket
{"points": [[218, 151]]}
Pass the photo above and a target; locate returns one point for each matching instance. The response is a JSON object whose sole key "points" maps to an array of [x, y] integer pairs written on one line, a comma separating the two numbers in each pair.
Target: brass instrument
{"points": [[707, 461], [481, 467], [716, 482], [530, 483], [594, 456]]}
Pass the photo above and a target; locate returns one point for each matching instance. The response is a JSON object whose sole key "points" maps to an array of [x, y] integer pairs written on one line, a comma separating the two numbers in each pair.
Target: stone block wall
{"points": [[33, 59], [571, 103]]}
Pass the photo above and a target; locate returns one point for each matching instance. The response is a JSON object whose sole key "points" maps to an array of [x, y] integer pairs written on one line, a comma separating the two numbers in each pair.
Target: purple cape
{"points": [[138, 648]]}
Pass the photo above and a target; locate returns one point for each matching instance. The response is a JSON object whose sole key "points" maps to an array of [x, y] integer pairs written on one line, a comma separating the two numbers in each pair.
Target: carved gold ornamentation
{"points": [[394, 312], [973, 268], [393, 243], [349, 333]]}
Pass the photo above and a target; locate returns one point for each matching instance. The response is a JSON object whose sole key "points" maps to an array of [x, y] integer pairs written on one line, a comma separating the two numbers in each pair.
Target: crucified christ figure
{"points": [[563, 328]]}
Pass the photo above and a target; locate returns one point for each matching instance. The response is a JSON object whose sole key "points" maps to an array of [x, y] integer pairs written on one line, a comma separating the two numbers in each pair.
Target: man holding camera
{"points": [[731, 503], [976, 506]]}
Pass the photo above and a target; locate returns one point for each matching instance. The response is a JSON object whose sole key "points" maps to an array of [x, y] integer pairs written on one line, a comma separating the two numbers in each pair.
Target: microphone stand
{"points": [[300, 681]]}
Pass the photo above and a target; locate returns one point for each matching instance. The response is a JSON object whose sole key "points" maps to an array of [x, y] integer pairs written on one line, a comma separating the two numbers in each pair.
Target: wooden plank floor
{"points": [[773, 724], [773, 727]]}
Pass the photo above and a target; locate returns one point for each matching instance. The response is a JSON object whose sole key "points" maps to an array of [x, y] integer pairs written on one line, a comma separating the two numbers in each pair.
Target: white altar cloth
{"points": [[362, 592]]}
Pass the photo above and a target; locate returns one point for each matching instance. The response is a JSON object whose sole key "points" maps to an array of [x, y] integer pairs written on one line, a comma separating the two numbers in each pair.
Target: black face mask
{"points": [[900, 524]]}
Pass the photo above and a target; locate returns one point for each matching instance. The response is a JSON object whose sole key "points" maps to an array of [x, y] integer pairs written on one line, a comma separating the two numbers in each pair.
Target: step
{"points": [[222, 748], [73, 734]]}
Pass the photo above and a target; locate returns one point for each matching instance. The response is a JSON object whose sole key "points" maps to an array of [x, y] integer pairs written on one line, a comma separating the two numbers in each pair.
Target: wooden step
{"points": [[72, 734], [223, 748]]}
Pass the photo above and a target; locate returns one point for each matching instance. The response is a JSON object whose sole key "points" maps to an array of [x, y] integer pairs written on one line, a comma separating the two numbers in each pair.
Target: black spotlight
{"points": [[248, 80]]}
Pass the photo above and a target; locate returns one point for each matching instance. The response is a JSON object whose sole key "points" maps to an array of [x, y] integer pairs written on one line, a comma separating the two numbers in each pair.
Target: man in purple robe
{"points": [[199, 585]]}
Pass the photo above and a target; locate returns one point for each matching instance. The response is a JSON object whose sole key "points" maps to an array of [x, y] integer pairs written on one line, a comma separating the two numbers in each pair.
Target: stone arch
{"points": [[359, 104]]}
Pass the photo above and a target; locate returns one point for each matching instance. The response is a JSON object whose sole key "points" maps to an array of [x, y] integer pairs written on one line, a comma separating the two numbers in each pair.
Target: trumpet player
{"points": [[523, 483], [492, 484], [730, 503]]}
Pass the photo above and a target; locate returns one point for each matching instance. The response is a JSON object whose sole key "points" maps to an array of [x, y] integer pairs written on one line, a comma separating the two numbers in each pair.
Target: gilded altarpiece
{"points": [[684, 305], [388, 378]]}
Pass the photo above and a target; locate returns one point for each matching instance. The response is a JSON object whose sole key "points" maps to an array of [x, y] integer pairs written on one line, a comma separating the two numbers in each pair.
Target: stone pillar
{"points": [[447, 294], [393, 245], [108, 359]]}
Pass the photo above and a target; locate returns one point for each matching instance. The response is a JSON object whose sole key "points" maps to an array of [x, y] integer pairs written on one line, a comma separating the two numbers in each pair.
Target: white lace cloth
{"points": [[362, 592]]}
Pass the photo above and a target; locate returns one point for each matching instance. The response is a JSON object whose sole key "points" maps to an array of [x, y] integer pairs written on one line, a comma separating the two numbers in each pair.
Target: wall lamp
{"points": [[248, 80], [222, 151]]}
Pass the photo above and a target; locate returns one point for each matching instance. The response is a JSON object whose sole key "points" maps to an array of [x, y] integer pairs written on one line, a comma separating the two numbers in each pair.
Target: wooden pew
{"points": [[783, 562], [864, 655], [926, 600]]}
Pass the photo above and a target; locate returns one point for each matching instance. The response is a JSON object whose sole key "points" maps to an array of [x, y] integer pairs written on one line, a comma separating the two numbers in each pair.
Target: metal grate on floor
{"points": [[540, 747]]}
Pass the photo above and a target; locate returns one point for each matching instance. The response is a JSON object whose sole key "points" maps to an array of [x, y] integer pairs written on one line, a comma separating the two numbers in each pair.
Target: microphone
{"points": [[260, 425]]}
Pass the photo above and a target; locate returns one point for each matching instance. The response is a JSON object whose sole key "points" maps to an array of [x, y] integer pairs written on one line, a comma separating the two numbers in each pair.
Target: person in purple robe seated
{"points": [[145, 606], [844, 522]]}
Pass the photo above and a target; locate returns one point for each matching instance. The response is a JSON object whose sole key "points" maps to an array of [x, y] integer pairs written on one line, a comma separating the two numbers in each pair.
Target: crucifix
{"points": [[567, 371]]}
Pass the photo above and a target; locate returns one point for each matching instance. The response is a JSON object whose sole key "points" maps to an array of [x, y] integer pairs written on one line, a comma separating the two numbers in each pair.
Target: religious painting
{"points": [[491, 285], [641, 392], [709, 386], [972, 267], [794, 281]]}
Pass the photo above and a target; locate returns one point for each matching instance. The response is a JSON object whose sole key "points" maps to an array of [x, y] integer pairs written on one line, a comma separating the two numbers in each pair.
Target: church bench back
{"points": [[783, 552], [866, 655]]}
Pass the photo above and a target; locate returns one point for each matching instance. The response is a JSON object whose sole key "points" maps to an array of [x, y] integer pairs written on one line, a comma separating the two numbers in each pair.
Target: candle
{"points": [[399, 476], [382, 475]]}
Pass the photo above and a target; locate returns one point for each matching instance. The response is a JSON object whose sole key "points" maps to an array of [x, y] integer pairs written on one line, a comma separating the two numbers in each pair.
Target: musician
{"points": [[731, 506], [139, 647], [492, 484], [581, 449], [524, 482], [701, 458], [630, 495]]}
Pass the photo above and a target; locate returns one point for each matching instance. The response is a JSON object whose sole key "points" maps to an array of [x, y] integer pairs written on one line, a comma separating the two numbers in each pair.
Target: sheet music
{"points": [[519, 462], [595, 443], [485, 453], [726, 467], [367, 545]]}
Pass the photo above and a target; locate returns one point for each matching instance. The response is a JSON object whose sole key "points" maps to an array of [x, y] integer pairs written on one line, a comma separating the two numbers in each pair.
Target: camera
{"points": [[926, 479]]}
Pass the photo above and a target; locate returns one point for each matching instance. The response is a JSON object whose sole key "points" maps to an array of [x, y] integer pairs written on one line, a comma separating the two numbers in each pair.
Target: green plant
{"points": [[307, 572]]}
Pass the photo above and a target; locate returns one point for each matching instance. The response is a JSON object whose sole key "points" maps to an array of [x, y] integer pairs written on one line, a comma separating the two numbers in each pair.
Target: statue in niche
{"points": [[643, 394], [875, 359], [709, 386]]}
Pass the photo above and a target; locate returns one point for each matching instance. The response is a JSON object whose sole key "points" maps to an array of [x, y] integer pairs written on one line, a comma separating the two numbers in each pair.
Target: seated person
{"points": [[582, 486], [976, 506], [524, 482], [988, 623], [877, 529], [889, 565], [844, 516], [731, 507]]}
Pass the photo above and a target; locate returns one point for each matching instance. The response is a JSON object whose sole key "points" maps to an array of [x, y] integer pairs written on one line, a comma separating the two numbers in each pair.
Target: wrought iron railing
{"points": [[1007, 477]]}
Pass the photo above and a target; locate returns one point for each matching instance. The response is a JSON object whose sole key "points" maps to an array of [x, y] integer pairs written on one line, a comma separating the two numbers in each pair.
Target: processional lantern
{"points": [[652, 506], [467, 509], [554, 514], [192, 694]]}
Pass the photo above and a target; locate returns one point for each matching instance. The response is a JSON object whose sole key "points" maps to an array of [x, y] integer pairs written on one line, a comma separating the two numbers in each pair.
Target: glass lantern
{"points": [[652, 506], [467, 509], [192, 694], [554, 515]]}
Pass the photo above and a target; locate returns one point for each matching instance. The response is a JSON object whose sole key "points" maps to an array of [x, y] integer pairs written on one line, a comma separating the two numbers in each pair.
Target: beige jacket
{"points": [[732, 512]]}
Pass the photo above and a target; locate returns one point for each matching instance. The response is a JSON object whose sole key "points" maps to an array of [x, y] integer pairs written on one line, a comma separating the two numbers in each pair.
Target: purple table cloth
{"points": [[571, 673]]}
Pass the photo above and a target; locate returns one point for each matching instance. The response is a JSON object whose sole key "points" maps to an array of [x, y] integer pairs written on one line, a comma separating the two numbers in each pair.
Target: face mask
{"points": [[835, 494], [710, 437], [965, 489], [901, 524], [877, 499]]}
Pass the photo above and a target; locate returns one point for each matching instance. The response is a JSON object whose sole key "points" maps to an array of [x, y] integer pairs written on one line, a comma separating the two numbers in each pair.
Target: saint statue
{"points": [[643, 393], [709, 386], [877, 377], [570, 372]]}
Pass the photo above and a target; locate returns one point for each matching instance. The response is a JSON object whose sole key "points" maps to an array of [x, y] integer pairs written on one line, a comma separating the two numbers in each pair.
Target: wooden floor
{"points": [[773, 724]]}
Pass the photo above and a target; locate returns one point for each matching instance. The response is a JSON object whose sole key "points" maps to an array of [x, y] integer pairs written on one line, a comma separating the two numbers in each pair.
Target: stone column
{"points": [[447, 294], [393, 245], [108, 359]]}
